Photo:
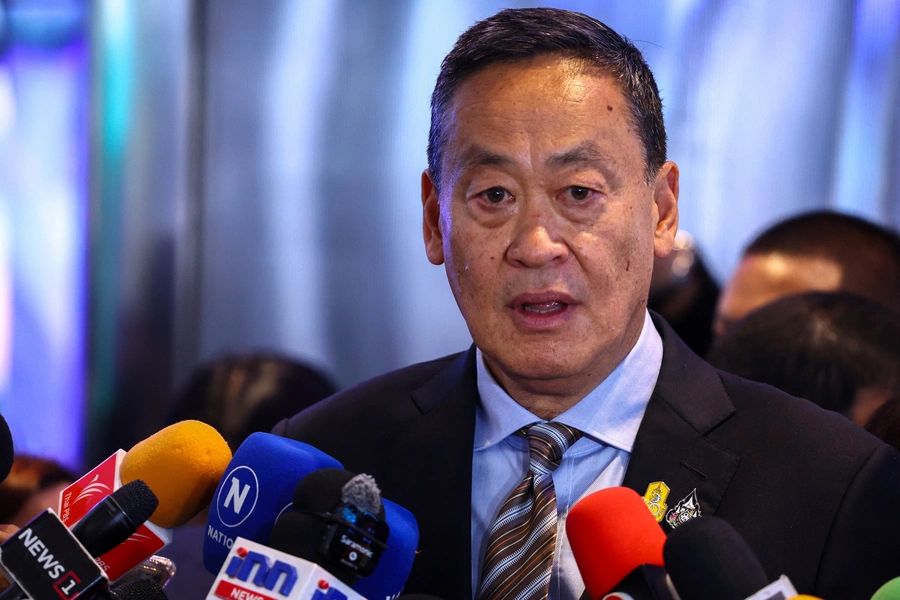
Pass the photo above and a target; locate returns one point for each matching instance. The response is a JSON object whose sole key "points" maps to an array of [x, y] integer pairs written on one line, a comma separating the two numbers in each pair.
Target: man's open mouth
{"points": [[543, 308]]}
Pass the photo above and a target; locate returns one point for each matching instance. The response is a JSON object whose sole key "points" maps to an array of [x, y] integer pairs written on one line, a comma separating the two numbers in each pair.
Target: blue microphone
{"points": [[257, 487], [396, 562]]}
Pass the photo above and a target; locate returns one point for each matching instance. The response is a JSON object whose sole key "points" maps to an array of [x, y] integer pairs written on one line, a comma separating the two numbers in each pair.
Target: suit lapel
{"points": [[428, 465], [688, 402]]}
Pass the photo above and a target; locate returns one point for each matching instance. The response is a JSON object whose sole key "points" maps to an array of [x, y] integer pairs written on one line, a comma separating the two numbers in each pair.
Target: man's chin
{"points": [[539, 367]]}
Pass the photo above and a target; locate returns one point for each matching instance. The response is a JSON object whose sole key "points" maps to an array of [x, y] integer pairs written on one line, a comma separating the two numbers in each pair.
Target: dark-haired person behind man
{"points": [[547, 196], [839, 350], [817, 251]]}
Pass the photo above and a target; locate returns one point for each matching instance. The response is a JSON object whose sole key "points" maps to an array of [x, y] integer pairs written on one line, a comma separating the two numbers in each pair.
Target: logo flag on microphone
{"points": [[655, 499]]}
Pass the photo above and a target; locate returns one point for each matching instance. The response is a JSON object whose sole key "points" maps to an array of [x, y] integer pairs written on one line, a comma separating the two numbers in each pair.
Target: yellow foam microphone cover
{"points": [[182, 464], [804, 597]]}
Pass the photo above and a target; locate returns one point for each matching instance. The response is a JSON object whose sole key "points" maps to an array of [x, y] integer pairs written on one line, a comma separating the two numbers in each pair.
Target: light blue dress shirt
{"points": [[609, 416]]}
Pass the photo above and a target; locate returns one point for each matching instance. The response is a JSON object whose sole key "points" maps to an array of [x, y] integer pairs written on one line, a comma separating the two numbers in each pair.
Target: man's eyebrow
{"points": [[478, 156], [586, 153]]}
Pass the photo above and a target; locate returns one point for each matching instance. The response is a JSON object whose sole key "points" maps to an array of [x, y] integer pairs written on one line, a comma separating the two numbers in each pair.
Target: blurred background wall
{"points": [[182, 178]]}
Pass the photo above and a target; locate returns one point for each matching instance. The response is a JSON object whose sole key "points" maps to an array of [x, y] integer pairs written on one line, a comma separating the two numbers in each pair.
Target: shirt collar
{"points": [[611, 413]]}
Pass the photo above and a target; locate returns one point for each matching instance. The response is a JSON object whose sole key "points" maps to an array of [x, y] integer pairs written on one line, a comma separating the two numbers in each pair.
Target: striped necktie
{"points": [[519, 556]]}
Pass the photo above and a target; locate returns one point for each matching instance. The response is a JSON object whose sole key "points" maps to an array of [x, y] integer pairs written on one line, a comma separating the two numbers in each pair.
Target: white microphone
{"points": [[253, 570]]}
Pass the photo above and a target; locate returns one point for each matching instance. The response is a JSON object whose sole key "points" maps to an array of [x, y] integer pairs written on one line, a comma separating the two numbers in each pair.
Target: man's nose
{"points": [[538, 239]]}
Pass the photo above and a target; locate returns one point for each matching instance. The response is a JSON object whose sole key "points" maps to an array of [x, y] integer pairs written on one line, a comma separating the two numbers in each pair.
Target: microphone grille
{"points": [[362, 492], [140, 589], [137, 500]]}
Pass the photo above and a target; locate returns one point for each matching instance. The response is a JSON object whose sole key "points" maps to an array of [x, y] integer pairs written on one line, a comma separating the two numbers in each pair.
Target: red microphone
{"points": [[618, 545]]}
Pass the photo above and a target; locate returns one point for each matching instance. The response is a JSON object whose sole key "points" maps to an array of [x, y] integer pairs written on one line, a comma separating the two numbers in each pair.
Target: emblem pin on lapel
{"points": [[687, 508], [655, 499]]}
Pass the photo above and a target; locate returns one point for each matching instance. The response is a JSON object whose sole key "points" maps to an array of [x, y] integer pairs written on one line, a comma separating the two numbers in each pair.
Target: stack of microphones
{"points": [[112, 520], [101, 542], [623, 554], [288, 521]]}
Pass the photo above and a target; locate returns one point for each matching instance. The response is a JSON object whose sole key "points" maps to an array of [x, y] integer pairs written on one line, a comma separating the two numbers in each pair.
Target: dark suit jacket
{"points": [[815, 496]]}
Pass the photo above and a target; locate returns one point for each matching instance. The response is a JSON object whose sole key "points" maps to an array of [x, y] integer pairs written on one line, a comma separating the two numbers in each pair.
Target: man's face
{"points": [[761, 279], [545, 220]]}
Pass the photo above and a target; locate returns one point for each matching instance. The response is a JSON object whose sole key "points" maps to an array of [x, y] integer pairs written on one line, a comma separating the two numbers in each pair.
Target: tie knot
{"points": [[547, 442]]}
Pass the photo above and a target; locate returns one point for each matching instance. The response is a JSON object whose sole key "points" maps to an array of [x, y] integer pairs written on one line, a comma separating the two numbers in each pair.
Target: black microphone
{"points": [[115, 518], [343, 519], [108, 524], [708, 558], [7, 451]]}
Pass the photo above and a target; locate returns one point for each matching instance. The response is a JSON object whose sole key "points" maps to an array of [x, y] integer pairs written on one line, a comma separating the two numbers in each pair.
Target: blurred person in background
{"points": [[243, 394], [885, 422], [238, 395], [684, 293], [32, 486], [817, 251], [839, 350]]}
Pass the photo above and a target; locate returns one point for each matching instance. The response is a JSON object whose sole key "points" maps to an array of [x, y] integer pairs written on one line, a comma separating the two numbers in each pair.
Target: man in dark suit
{"points": [[547, 197]]}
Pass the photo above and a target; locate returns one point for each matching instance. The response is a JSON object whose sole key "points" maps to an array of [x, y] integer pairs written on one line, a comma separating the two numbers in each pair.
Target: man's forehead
{"points": [[575, 115], [583, 153], [557, 79]]}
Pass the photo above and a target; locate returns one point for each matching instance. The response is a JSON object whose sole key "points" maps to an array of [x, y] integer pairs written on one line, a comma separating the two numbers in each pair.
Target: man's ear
{"points": [[665, 211], [431, 220]]}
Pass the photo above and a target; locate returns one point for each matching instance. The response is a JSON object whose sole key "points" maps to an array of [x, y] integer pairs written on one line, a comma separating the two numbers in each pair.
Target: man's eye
{"points": [[496, 195], [579, 193]]}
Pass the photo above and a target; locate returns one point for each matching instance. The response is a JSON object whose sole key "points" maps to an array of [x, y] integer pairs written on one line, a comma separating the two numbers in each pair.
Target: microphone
{"points": [[139, 589], [255, 571], [708, 558], [183, 464], [341, 518], [108, 524], [397, 561], [47, 562], [180, 464], [158, 569], [115, 518], [7, 451], [257, 487], [889, 591], [301, 533], [618, 546]]}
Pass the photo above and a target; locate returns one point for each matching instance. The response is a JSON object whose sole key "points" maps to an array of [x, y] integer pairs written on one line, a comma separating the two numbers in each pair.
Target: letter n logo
{"points": [[237, 494]]}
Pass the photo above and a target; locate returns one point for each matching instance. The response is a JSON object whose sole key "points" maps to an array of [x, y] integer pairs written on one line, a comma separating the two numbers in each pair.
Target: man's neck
{"points": [[549, 398]]}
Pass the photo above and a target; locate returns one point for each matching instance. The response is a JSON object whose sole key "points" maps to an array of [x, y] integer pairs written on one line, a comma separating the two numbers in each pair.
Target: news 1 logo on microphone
{"points": [[47, 562], [253, 571]]}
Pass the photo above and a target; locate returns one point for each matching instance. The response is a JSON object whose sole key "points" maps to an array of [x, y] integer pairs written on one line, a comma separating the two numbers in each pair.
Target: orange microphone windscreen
{"points": [[182, 464], [612, 533]]}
